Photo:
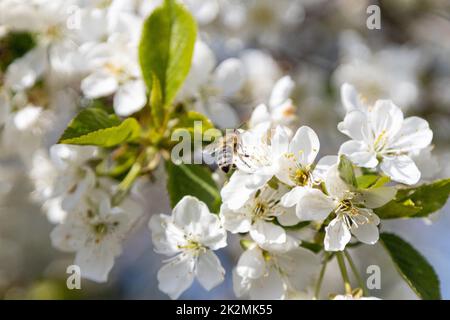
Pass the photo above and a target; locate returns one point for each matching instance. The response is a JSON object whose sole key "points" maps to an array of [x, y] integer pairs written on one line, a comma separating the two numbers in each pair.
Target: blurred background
{"points": [[321, 45]]}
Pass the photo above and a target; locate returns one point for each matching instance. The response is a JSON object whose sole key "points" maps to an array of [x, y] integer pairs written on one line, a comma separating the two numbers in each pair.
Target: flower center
{"points": [[300, 177], [380, 141]]}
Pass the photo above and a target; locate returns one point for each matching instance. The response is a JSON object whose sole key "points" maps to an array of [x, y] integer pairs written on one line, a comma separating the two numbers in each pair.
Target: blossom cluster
{"points": [[96, 90]]}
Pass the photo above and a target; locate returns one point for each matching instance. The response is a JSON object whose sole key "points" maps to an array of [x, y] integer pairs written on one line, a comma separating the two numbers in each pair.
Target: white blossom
{"points": [[209, 88], [381, 135], [281, 110], [273, 275], [258, 217], [95, 231], [189, 235]]}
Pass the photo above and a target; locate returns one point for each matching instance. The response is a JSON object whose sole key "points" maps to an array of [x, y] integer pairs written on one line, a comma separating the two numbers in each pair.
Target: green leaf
{"points": [[118, 162], [416, 202], [156, 102], [346, 172], [371, 181], [396, 209], [13, 46], [94, 126], [166, 48], [188, 121], [194, 180], [413, 267]]}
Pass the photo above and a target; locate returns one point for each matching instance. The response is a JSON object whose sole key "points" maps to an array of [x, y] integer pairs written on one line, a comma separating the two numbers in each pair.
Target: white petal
{"points": [[236, 192], [401, 169], [288, 218], [209, 271], [99, 84], [189, 210], [281, 91], [189, 214], [337, 235], [68, 237], [267, 233], [279, 142], [336, 187], [414, 134], [222, 114], [287, 167], [241, 285], [305, 145], [355, 125], [367, 232], [176, 276], [359, 153], [377, 197], [96, 260], [268, 287], [238, 221], [229, 76], [259, 115], [323, 166], [350, 98], [314, 205], [251, 264], [291, 198], [386, 117], [130, 98], [300, 265], [165, 234]]}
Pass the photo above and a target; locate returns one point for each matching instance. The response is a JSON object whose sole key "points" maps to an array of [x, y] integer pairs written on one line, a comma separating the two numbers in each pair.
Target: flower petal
{"points": [[314, 205], [323, 166], [359, 153], [401, 169], [267, 233], [350, 98], [377, 197], [130, 98], [99, 84], [305, 145], [229, 76], [251, 264], [292, 197], [355, 125], [259, 115], [209, 271], [237, 191], [367, 232], [238, 221], [96, 260], [386, 117], [176, 276], [268, 287], [337, 235], [281, 91], [288, 218], [414, 134]]}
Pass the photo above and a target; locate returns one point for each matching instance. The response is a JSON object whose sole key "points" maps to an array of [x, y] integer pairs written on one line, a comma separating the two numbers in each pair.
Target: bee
{"points": [[227, 150]]}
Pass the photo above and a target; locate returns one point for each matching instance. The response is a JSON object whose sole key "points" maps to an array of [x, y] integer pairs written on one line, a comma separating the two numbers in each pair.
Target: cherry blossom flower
{"points": [[189, 235], [273, 275], [95, 231], [380, 135]]}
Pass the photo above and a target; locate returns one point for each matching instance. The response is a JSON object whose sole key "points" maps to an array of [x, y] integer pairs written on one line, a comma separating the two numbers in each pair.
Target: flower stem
{"points": [[321, 275], [356, 272], [126, 184], [342, 266]]}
